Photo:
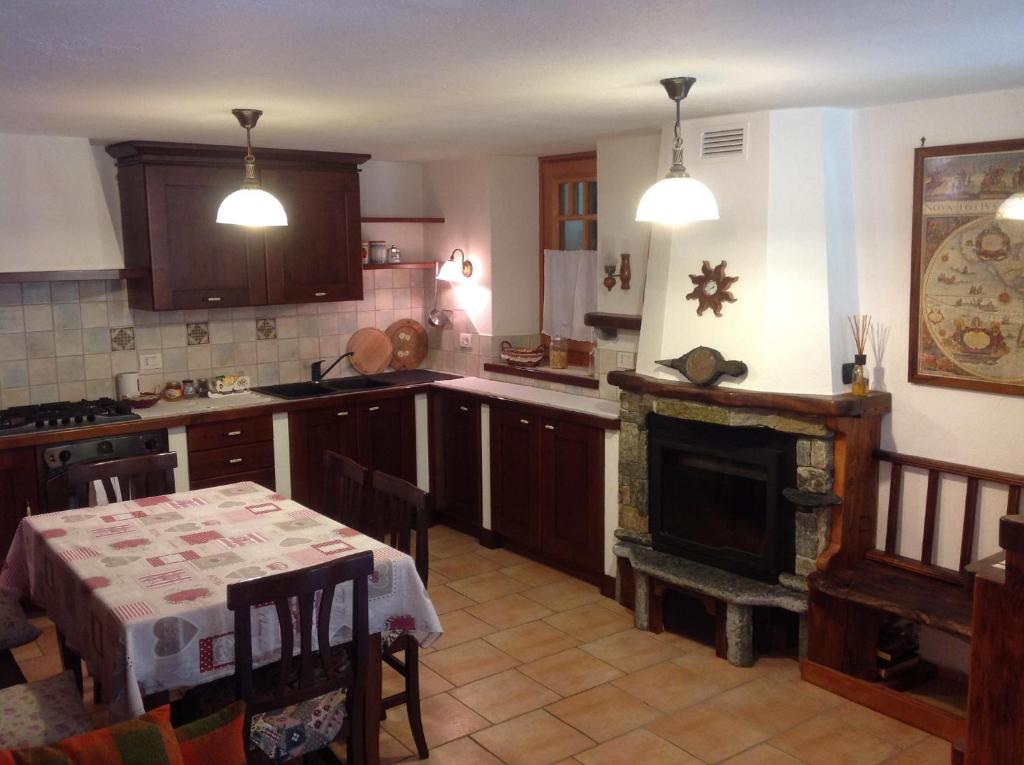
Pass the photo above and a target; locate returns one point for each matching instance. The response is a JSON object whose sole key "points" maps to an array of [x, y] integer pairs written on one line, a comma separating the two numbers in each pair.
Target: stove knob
{"points": [[78, 419], [104, 447], [65, 455], [53, 421], [150, 444], [91, 417], [65, 421]]}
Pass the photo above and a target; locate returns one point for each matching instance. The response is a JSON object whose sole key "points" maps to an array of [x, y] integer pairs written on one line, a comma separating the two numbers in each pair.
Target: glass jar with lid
{"points": [[558, 355]]}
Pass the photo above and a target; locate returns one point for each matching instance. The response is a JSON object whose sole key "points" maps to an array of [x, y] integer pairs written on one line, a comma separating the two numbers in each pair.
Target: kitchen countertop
{"points": [[597, 407]]}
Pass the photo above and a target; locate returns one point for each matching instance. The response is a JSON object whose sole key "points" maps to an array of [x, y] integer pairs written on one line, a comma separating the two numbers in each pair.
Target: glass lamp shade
{"points": [[252, 207], [1012, 207], [450, 272], [676, 200]]}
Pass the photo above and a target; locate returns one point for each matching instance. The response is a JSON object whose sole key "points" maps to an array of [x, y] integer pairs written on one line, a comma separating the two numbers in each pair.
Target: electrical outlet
{"points": [[150, 361], [624, 360], [465, 340]]}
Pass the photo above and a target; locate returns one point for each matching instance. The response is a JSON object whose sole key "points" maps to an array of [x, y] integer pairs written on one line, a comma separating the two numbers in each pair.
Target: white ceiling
{"points": [[420, 79]]}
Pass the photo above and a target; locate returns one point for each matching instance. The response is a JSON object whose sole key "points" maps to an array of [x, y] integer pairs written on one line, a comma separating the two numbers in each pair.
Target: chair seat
{"points": [[15, 629], [308, 726], [41, 713], [938, 604]]}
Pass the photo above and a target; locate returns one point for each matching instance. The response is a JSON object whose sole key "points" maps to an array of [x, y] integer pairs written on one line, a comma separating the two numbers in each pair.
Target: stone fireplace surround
{"points": [[834, 518]]}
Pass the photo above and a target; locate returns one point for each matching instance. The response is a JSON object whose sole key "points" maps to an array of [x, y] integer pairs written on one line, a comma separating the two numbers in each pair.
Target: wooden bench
{"points": [[850, 601]]}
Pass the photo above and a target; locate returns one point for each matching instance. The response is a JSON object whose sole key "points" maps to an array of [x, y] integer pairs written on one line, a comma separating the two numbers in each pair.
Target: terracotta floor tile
{"points": [[564, 594], [530, 641], [570, 671], [505, 695], [716, 672], [489, 586], [532, 739], [775, 705], [667, 686], [590, 622], [763, 754], [28, 651], [463, 566], [631, 650], [509, 611], [41, 667], [436, 577], [709, 733], [827, 741], [534, 574], [444, 719], [468, 662], [446, 600], [504, 558], [431, 683], [638, 746], [931, 751], [451, 547], [461, 627], [463, 751], [868, 720], [391, 749], [604, 712], [681, 642]]}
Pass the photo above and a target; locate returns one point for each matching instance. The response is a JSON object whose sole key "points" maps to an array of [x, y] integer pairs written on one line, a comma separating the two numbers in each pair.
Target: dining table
{"points": [[138, 588]]}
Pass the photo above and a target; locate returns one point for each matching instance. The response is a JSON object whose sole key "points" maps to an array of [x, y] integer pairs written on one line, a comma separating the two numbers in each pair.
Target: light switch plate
{"points": [[149, 361], [624, 360], [465, 340]]}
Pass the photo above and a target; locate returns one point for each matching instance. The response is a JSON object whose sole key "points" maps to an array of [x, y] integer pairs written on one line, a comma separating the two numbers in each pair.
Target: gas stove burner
{"points": [[64, 414]]}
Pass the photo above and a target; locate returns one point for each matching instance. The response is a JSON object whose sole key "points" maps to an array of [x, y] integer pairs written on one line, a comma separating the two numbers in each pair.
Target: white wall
{"points": [[53, 212], [515, 237]]}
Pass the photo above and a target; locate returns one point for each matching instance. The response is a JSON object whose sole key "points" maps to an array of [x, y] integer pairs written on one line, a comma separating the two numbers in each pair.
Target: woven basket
{"points": [[521, 357]]}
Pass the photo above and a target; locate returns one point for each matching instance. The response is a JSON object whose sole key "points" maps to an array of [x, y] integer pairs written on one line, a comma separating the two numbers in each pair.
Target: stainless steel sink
{"points": [[324, 388]]}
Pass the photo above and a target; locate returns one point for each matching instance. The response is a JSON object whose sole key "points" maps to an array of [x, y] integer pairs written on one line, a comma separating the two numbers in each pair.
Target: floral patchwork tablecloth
{"points": [[139, 588]]}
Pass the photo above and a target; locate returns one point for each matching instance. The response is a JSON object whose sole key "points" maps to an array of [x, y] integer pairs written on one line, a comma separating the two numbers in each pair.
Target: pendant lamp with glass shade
{"points": [[1012, 207], [677, 198], [250, 205]]}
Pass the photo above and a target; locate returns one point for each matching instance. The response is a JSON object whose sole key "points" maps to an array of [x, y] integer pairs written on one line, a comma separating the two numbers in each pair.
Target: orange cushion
{"points": [[218, 738], [146, 740]]}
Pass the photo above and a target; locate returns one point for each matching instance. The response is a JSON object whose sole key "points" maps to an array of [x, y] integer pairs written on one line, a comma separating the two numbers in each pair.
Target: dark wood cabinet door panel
{"points": [[245, 430], [455, 460], [195, 261], [515, 472], [311, 433], [572, 493], [18, 491], [230, 459], [316, 256], [387, 437]]}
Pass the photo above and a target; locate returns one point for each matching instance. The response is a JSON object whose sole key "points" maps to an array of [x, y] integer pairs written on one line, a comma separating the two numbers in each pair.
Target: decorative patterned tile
{"points": [[266, 329], [198, 333], [122, 339]]}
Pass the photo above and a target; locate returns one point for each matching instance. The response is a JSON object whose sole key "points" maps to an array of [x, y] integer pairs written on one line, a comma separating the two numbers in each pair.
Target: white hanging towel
{"points": [[570, 292]]}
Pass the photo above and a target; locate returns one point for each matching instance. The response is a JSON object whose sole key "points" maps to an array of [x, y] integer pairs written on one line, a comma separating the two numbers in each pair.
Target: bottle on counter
{"points": [[558, 355]]}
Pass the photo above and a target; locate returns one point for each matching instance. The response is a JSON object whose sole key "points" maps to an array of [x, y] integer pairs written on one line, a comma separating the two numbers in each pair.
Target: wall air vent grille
{"points": [[724, 142]]}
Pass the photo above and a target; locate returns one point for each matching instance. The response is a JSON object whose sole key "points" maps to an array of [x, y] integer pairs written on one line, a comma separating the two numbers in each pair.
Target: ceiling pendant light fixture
{"points": [[677, 198], [1012, 207], [251, 205]]}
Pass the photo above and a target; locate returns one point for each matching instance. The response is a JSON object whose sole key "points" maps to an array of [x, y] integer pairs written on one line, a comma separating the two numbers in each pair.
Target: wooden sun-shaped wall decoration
{"points": [[712, 288]]}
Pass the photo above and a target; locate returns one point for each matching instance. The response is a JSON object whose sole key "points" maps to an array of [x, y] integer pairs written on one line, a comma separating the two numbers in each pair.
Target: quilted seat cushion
{"points": [[43, 712], [15, 629], [300, 728]]}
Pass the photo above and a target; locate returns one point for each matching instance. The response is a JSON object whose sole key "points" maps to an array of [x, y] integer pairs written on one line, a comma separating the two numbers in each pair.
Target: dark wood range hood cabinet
{"points": [[169, 198]]}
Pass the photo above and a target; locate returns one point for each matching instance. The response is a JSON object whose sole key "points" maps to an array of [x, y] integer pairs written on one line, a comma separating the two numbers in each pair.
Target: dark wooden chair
{"points": [[135, 477], [399, 515], [345, 489], [319, 673]]}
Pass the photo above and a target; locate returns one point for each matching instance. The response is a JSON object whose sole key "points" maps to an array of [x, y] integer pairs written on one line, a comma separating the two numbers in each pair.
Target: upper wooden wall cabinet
{"points": [[169, 198]]}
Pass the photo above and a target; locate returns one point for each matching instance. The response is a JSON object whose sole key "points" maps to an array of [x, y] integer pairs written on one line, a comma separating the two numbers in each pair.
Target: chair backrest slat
{"points": [[970, 521], [931, 504], [892, 525], [1013, 501], [345, 489], [397, 510], [284, 620], [136, 477]]}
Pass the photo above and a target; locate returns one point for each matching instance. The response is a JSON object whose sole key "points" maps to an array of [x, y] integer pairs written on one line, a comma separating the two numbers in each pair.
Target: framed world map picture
{"points": [[967, 282]]}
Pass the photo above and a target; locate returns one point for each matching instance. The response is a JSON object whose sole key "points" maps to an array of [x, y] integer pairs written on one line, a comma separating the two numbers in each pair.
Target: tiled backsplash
{"points": [[67, 340]]}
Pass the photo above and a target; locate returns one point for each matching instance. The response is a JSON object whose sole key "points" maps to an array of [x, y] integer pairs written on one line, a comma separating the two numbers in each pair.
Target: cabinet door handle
{"points": [[342, 414], [213, 300], [373, 409], [463, 408], [28, 508], [525, 422], [549, 427], [233, 433], [234, 460], [319, 294]]}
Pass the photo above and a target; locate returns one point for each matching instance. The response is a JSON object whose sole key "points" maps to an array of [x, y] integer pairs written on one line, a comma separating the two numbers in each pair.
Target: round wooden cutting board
{"points": [[410, 342], [371, 351]]}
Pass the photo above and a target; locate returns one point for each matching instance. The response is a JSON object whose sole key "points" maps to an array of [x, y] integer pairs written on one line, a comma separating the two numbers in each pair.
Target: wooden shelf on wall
{"points": [[385, 266], [13, 277], [612, 321], [367, 219]]}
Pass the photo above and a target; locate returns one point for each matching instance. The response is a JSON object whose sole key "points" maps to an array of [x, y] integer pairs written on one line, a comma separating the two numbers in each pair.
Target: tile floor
{"points": [[536, 667]]}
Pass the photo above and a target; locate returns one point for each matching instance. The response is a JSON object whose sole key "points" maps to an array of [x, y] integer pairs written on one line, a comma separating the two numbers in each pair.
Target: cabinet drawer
{"points": [[264, 478], [230, 460], [216, 435]]}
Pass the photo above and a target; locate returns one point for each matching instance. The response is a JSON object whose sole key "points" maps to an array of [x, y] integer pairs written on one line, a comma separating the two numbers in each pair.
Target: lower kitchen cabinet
{"points": [[231, 451], [379, 434], [19, 491], [455, 460], [547, 486]]}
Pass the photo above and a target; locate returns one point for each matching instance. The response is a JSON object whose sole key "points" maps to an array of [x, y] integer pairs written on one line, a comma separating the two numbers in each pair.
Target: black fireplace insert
{"points": [[716, 495]]}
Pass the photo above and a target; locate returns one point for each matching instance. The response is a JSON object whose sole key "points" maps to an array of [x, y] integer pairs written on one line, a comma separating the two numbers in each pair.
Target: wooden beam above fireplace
{"points": [[840, 405]]}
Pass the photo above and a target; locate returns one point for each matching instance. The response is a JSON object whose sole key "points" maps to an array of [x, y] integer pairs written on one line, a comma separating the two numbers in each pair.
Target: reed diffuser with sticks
{"points": [[860, 324]]}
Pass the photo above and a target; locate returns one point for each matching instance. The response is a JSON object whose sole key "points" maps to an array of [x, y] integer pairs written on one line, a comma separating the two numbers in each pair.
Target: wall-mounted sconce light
{"points": [[624, 275], [455, 272]]}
